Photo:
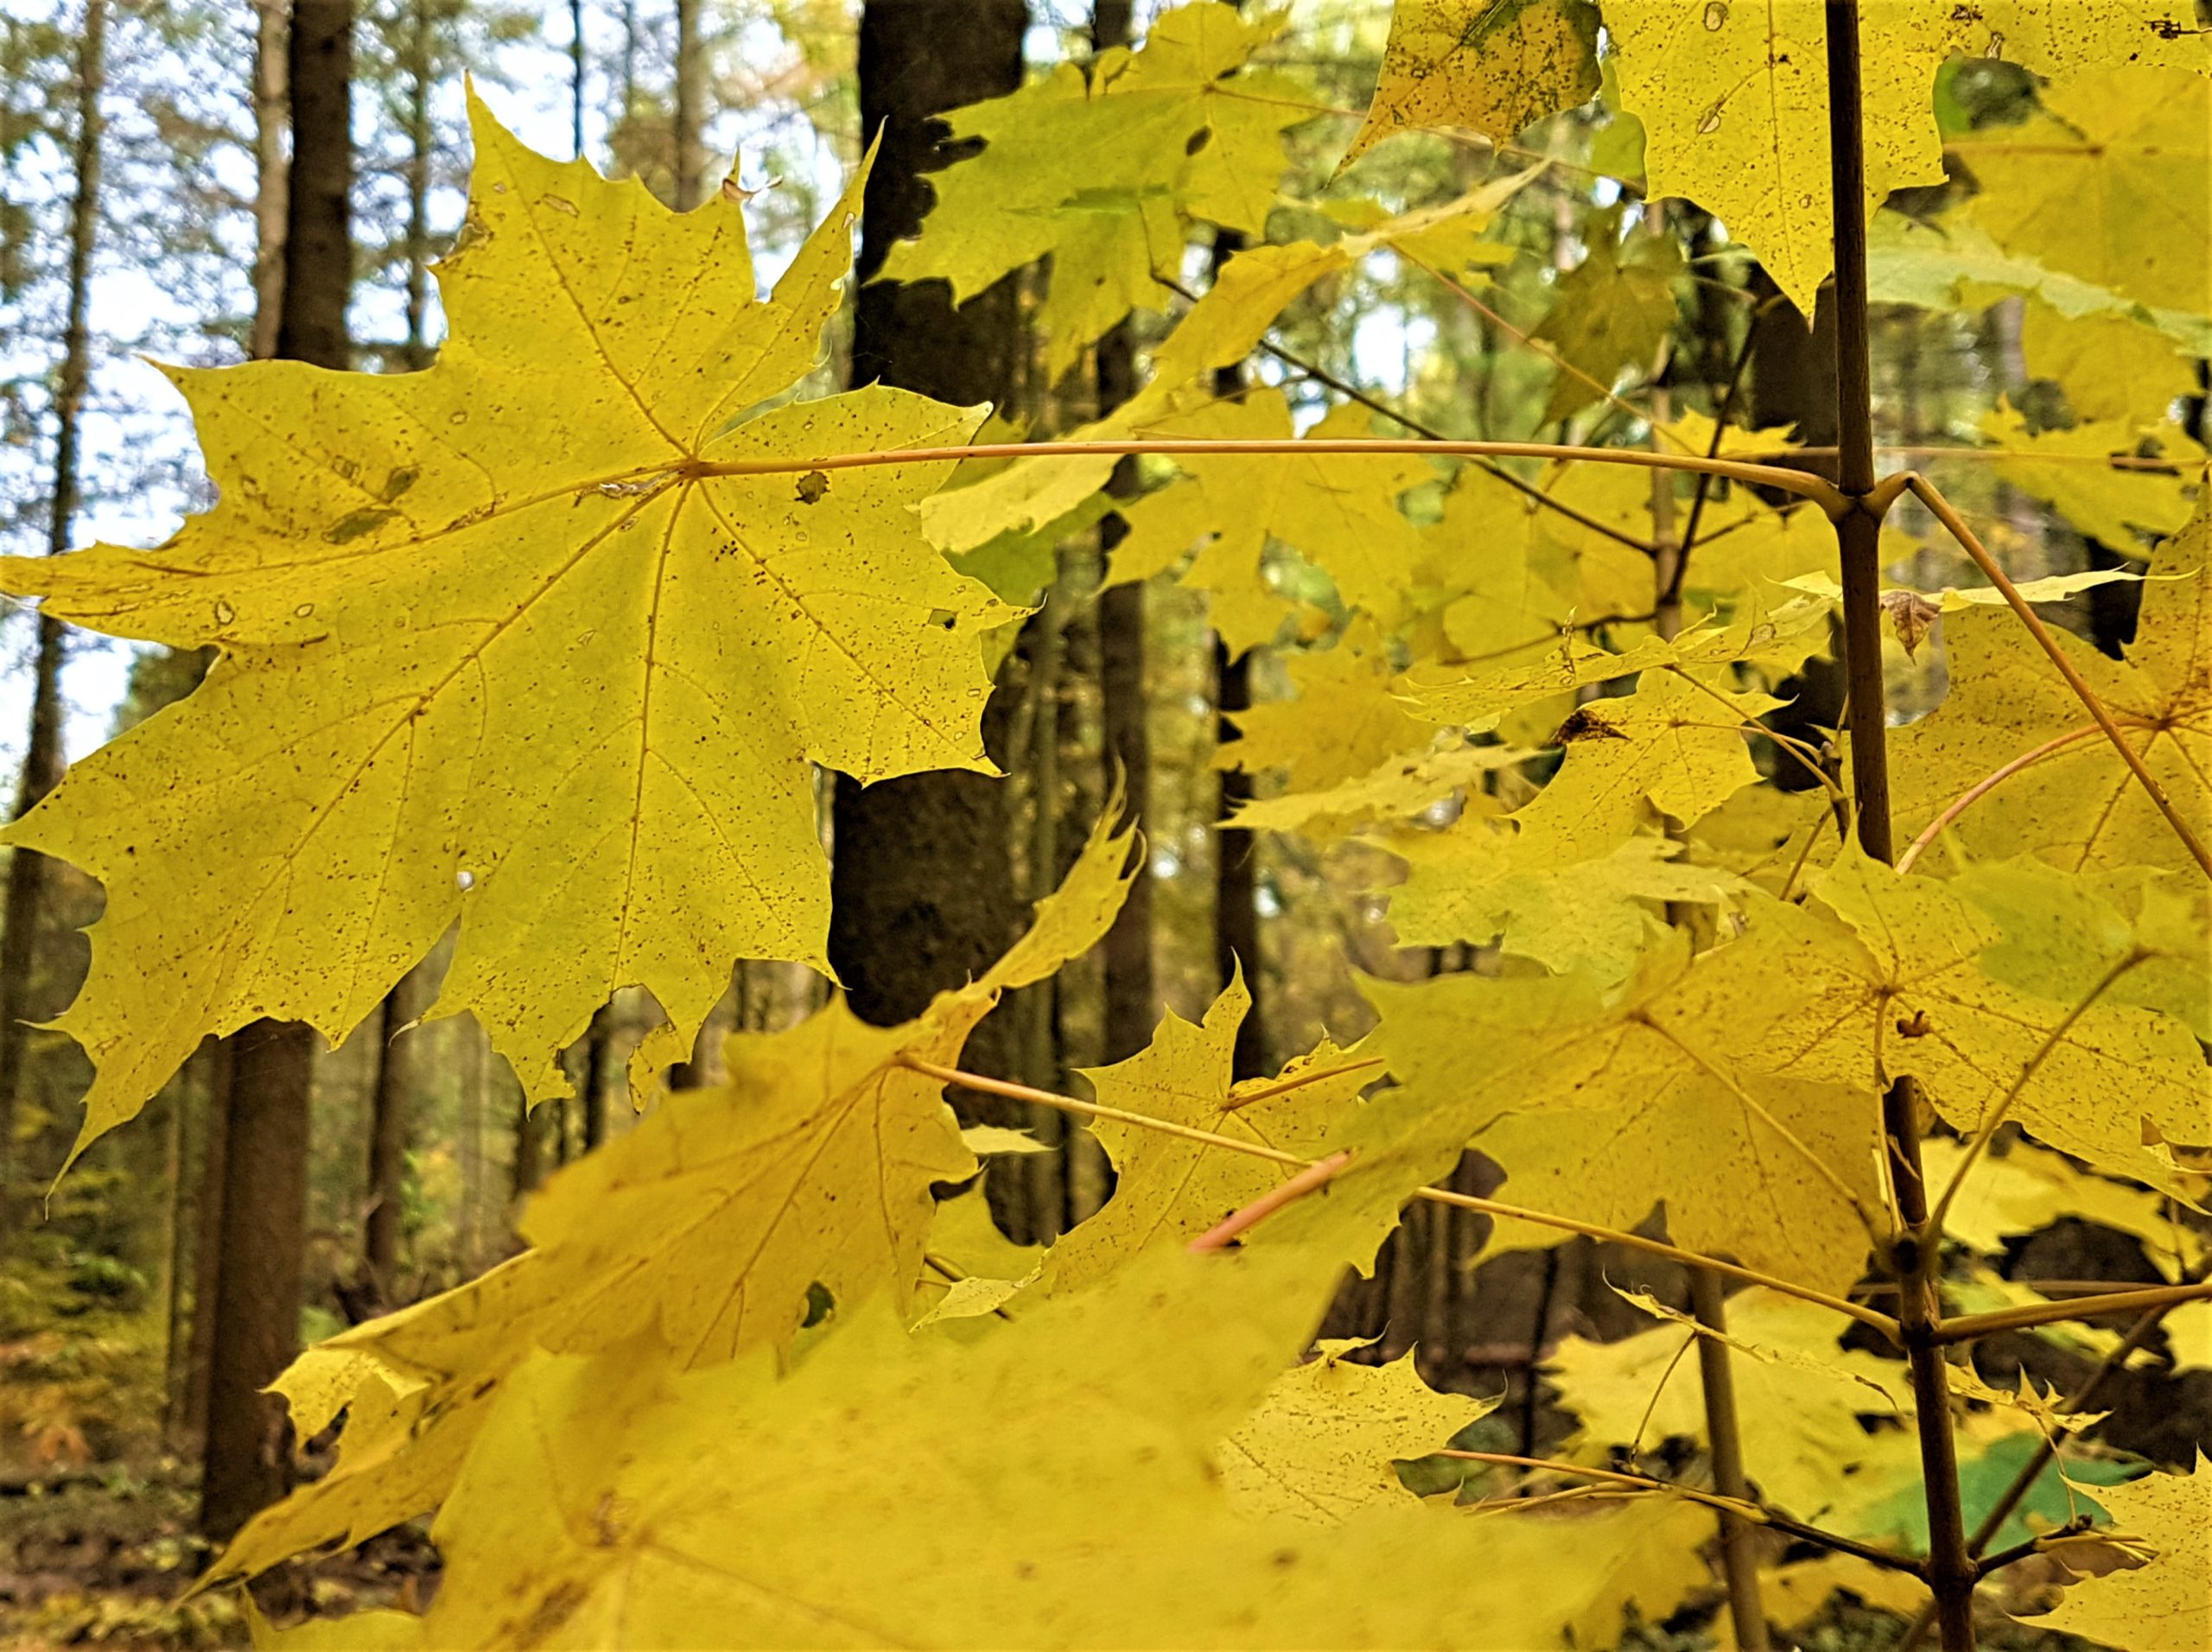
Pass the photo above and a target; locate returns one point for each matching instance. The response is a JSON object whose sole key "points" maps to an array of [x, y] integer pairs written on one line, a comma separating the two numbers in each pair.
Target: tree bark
{"points": [[577, 76], [271, 107], [390, 1105], [255, 1326], [690, 108], [206, 1250], [1235, 890], [592, 1090], [43, 757], [922, 879], [263, 1230], [421, 149], [1131, 993]]}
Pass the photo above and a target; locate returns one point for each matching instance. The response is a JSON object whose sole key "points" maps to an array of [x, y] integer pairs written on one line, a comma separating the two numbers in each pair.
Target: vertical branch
{"points": [[1738, 1551], [1915, 1255]]}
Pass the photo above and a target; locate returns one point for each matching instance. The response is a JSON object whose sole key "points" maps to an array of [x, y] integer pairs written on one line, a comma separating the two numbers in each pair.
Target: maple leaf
{"points": [[1733, 98], [1601, 1104], [1321, 1443], [2105, 503], [498, 645], [2095, 189], [1098, 168], [1341, 722], [2112, 367], [1910, 997], [812, 1163], [1473, 883], [1799, 1408], [2165, 1605], [2027, 1189], [1613, 310], [1398, 787], [2078, 807], [1495, 66], [609, 1503], [1168, 1189]]}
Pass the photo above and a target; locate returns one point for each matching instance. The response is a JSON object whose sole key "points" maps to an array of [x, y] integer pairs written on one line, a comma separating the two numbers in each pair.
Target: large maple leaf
{"points": [[702, 1230], [501, 642]]}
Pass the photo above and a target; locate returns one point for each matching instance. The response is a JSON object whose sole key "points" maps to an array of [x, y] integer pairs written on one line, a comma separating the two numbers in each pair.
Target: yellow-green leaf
{"points": [[499, 647], [2164, 1605], [1492, 65]]}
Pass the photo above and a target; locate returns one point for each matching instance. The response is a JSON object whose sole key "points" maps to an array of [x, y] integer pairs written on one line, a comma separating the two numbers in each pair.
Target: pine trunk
{"points": [[261, 1233], [923, 880], [691, 101], [42, 753]]}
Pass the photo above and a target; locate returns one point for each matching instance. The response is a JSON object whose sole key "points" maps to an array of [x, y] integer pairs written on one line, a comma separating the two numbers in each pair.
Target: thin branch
{"points": [[1982, 788], [1795, 481], [1674, 591], [1742, 1508], [1997, 1115], [1866, 1316], [1374, 404], [2074, 1531], [1928, 495], [2084, 1307]]}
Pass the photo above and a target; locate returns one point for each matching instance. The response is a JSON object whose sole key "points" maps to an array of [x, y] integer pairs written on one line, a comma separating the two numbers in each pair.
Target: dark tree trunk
{"points": [[923, 881], [577, 76], [271, 106], [43, 752], [207, 1248], [256, 1322], [1131, 993], [1235, 890], [421, 148], [263, 1231], [592, 1090], [1793, 383]]}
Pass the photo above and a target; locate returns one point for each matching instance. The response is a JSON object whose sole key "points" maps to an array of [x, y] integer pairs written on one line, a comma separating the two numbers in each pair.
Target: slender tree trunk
{"points": [[577, 76], [271, 109], [390, 1105], [42, 756], [421, 147], [592, 1091], [1131, 995], [924, 895], [206, 1248], [263, 1231], [690, 108]]}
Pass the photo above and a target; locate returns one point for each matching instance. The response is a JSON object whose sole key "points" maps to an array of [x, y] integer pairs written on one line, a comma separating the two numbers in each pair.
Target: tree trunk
{"points": [[421, 149], [263, 1225], [271, 106], [924, 895], [257, 1303], [42, 753], [206, 1248], [389, 1107], [1131, 995], [577, 76], [690, 108], [1235, 890], [592, 1091]]}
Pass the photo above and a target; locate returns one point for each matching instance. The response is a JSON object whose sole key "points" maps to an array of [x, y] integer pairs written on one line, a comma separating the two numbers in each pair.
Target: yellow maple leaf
{"points": [[1475, 63], [1321, 1443], [1097, 167], [2105, 502], [2077, 807], [1471, 883], [1910, 997], [2092, 189], [611, 1504], [2165, 1605], [1799, 1411], [2112, 367], [1342, 722], [1406, 784], [703, 1228], [1733, 98], [2027, 1189], [499, 645], [1602, 1104], [1168, 1189]]}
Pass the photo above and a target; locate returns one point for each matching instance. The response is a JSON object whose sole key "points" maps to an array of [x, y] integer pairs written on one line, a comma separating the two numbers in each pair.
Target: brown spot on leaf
{"points": [[812, 487]]}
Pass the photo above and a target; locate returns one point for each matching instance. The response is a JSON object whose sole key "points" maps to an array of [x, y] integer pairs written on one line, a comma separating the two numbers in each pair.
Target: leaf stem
{"points": [[1795, 481], [1743, 1507], [1316, 1174], [1926, 492], [1866, 1316], [2080, 1308]]}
